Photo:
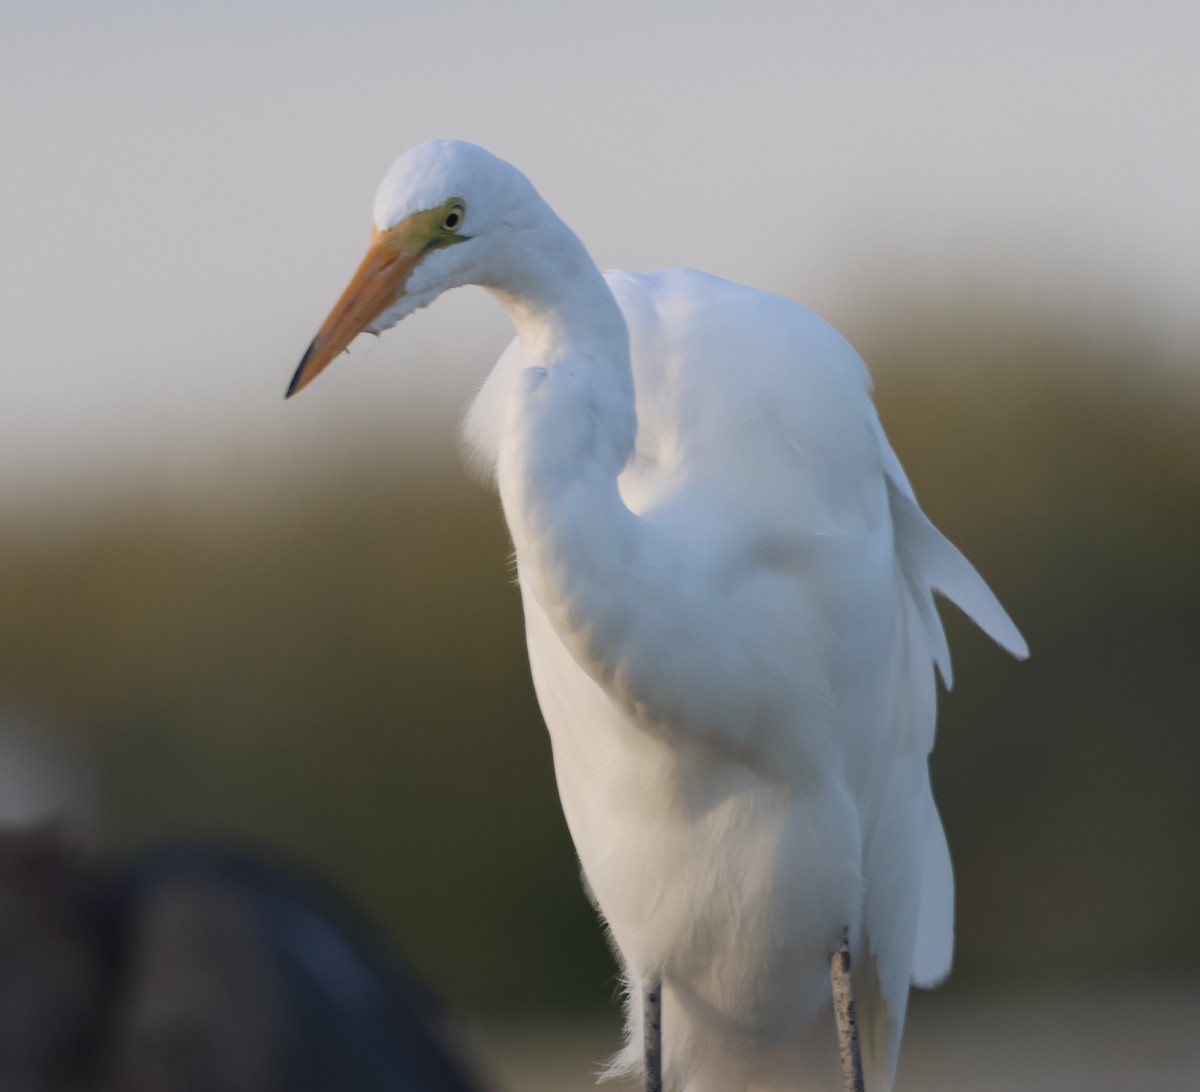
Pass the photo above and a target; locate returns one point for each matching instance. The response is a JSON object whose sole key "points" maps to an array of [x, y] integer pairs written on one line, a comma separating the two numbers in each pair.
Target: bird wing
{"points": [[908, 927], [751, 399]]}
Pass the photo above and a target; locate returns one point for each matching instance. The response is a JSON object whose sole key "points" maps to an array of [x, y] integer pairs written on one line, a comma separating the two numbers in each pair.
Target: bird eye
{"points": [[453, 219]]}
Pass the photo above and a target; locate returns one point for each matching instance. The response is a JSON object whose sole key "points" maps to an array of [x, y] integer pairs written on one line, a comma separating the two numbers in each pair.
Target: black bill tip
{"points": [[295, 384]]}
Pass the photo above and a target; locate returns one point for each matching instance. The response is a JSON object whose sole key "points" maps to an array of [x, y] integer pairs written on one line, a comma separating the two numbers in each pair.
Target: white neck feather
{"points": [[568, 430], [557, 298]]}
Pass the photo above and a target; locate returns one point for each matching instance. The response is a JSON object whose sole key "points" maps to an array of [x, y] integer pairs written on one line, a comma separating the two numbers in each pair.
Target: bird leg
{"points": [[652, 1034], [847, 1021]]}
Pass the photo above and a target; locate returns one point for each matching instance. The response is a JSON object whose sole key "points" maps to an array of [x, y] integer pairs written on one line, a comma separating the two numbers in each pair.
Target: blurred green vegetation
{"points": [[340, 672]]}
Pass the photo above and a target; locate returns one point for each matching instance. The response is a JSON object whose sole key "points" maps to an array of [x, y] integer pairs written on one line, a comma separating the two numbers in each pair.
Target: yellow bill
{"points": [[371, 291], [379, 282]]}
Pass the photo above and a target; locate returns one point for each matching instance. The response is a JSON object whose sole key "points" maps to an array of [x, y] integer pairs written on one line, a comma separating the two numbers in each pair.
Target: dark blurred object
{"points": [[203, 968], [49, 971], [240, 974]]}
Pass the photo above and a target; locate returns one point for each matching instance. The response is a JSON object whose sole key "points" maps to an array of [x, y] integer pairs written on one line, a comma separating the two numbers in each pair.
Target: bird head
{"points": [[441, 216]]}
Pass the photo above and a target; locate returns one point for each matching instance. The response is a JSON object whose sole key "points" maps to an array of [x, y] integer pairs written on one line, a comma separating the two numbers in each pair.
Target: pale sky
{"points": [[187, 188]]}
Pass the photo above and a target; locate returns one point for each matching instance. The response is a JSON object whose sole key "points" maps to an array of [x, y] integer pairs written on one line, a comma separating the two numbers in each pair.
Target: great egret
{"points": [[728, 593]]}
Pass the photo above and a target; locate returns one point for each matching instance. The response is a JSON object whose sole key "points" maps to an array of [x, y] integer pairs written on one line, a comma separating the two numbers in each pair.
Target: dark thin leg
{"points": [[652, 1034], [847, 1021]]}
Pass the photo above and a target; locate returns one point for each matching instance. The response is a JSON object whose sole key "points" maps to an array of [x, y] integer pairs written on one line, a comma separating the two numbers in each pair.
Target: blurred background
{"points": [[295, 625]]}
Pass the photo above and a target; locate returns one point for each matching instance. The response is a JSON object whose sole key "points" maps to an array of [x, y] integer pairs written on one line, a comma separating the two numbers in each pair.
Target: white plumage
{"points": [[728, 592]]}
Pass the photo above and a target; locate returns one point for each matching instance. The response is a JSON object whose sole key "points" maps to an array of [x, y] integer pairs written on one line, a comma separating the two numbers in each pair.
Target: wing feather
{"points": [[908, 909], [930, 559], [935, 922], [893, 801]]}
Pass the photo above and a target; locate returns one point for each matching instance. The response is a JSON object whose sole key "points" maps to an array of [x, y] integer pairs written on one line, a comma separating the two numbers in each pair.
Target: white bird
{"points": [[728, 593]]}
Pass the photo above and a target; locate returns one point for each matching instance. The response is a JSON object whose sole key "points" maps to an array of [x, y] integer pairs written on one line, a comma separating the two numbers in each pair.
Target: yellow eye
{"points": [[453, 219]]}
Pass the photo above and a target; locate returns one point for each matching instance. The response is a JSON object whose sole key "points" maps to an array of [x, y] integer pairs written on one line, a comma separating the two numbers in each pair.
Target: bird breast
{"points": [[733, 884]]}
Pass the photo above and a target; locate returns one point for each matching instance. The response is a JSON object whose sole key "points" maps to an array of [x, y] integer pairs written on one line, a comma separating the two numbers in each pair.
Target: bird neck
{"points": [[558, 300], [570, 327], [568, 430]]}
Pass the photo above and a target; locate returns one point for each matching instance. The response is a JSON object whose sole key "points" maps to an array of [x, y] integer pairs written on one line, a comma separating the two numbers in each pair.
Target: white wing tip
{"points": [[1001, 629]]}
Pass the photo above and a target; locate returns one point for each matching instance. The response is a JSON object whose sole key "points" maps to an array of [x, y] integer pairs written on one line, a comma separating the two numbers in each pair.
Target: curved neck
{"points": [[569, 429], [619, 593], [569, 324], [558, 300]]}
